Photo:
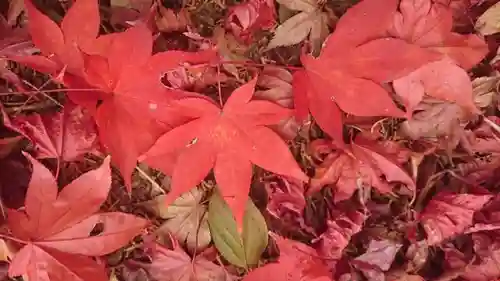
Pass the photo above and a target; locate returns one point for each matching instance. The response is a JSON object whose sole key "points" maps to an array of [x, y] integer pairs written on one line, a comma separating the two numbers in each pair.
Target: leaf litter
{"points": [[279, 138]]}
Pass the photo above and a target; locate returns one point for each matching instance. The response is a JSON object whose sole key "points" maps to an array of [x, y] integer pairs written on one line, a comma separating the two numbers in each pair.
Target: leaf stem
{"points": [[13, 239], [50, 91], [246, 63], [492, 124], [219, 90]]}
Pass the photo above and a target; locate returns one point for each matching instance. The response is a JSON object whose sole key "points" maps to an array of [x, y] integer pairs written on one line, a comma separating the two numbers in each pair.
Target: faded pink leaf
{"points": [[443, 80], [342, 224], [449, 214], [377, 259]]}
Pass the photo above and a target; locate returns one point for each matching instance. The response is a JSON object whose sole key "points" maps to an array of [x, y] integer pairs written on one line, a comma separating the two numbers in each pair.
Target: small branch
{"points": [[244, 63], [153, 183], [492, 124], [49, 91]]}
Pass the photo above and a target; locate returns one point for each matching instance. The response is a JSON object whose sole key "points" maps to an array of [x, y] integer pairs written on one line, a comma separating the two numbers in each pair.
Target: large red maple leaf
{"points": [[56, 227], [229, 140], [353, 63], [129, 77]]}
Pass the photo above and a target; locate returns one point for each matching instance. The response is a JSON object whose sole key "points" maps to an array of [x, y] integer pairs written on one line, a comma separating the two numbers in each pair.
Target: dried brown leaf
{"points": [[186, 219], [5, 251], [485, 90], [16, 7], [489, 22], [297, 28], [436, 120], [168, 20], [294, 30], [229, 49]]}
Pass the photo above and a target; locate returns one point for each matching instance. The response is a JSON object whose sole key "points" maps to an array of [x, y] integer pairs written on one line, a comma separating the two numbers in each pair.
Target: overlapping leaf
{"points": [[229, 140], [351, 66], [429, 25], [129, 77], [56, 227], [62, 46], [78, 28]]}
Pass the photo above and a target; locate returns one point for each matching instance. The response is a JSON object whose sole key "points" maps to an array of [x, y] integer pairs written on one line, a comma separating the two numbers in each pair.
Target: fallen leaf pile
{"points": [[288, 140]]}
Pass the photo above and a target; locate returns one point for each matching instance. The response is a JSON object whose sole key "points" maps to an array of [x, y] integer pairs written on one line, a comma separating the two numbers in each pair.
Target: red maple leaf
{"points": [[353, 63], [429, 25], [362, 164], [79, 28], [56, 227], [64, 135], [62, 47], [297, 261], [228, 139], [129, 78]]}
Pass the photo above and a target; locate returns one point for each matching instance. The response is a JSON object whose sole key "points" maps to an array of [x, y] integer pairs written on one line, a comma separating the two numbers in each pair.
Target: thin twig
{"points": [[492, 124], [154, 184]]}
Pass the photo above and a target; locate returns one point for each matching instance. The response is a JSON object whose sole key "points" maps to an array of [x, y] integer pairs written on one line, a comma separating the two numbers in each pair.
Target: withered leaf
{"points": [[298, 27], [489, 22], [186, 219]]}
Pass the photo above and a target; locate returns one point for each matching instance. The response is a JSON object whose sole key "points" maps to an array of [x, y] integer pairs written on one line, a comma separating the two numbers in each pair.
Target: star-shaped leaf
{"points": [[229, 140]]}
